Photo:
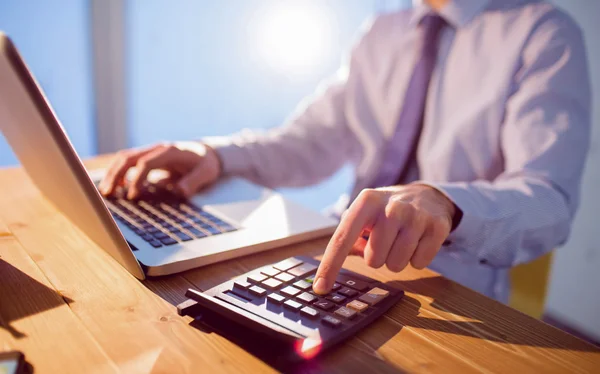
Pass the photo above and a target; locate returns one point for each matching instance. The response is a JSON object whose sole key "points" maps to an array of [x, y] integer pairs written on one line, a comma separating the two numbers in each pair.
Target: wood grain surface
{"points": [[72, 309]]}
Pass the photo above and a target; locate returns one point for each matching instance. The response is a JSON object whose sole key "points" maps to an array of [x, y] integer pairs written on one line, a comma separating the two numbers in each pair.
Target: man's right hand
{"points": [[190, 165]]}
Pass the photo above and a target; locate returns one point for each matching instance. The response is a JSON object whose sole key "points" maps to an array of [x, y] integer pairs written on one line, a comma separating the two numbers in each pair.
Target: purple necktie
{"points": [[400, 153]]}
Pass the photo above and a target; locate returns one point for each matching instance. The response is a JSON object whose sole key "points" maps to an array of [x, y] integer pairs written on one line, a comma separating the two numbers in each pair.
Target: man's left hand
{"points": [[404, 224]]}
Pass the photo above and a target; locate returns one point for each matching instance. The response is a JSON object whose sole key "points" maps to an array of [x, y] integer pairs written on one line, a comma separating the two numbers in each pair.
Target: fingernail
{"points": [[320, 286]]}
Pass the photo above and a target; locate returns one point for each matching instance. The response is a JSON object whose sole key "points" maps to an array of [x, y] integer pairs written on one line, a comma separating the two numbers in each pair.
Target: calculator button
{"points": [[336, 298], [256, 278], [271, 283], [284, 277], [270, 271], [303, 285], [309, 312], [353, 283], [331, 321], [336, 286], [290, 291], [347, 292], [310, 279], [306, 297], [242, 284], [287, 264], [324, 304], [302, 270], [345, 312], [374, 296], [359, 306], [293, 305], [255, 290], [275, 298]]}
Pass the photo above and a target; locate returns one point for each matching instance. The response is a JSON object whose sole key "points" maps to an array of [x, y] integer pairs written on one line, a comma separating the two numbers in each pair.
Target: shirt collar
{"points": [[456, 12]]}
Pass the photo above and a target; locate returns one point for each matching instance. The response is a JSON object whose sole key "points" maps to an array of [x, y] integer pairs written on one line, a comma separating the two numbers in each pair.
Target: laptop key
{"points": [[160, 235], [168, 241], [197, 233], [147, 237], [155, 243], [182, 236]]}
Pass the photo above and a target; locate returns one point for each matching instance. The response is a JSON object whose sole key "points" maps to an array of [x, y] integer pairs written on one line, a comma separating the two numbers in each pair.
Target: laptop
{"points": [[162, 233]]}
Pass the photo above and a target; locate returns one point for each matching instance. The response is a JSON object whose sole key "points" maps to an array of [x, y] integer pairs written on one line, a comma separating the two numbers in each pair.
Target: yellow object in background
{"points": [[530, 285]]}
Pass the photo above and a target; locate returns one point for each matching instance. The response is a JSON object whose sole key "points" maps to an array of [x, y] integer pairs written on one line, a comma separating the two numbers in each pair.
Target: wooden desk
{"points": [[70, 308]]}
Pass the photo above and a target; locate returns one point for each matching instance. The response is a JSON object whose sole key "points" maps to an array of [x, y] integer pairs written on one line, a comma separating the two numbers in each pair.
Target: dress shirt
{"points": [[505, 133]]}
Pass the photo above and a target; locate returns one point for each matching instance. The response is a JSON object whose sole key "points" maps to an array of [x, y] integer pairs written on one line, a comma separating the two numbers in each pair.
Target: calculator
{"points": [[277, 301]]}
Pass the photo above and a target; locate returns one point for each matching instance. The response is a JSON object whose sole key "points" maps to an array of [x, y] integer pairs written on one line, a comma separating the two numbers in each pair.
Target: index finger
{"points": [[347, 233]]}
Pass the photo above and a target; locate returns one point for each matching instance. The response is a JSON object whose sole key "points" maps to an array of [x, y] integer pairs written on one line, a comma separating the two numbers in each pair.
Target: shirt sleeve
{"points": [[314, 143], [527, 211]]}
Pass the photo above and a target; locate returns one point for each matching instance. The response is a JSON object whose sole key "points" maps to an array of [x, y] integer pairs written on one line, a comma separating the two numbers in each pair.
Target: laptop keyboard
{"points": [[166, 221]]}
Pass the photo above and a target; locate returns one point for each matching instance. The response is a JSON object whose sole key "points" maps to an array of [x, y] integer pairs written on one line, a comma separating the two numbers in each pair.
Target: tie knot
{"points": [[432, 23]]}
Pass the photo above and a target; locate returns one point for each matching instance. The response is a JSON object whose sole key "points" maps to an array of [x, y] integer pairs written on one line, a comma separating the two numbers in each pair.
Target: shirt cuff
{"points": [[232, 156], [470, 225]]}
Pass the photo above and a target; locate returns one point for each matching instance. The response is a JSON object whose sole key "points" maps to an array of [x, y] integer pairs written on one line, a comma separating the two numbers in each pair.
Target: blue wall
{"points": [[54, 38], [192, 73]]}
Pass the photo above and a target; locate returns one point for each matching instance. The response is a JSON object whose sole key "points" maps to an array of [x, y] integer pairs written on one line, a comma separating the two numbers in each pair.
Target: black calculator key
{"points": [[309, 312], [293, 305], [242, 284], [336, 286], [345, 312], [303, 285], [290, 291], [153, 230], [255, 290], [275, 298], [270, 271], [256, 278], [155, 243], [374, 296], [168, 241], [347, 292], [302, 270], [324, 304], [353, 283], [331, 321], [271, 283], [287, 264], [284, 277], [306, 297], [338, 299]]}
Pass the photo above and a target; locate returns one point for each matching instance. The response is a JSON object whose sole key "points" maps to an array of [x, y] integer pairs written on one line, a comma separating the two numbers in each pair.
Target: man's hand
{"points": [[404, 224], [190, 166]]}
